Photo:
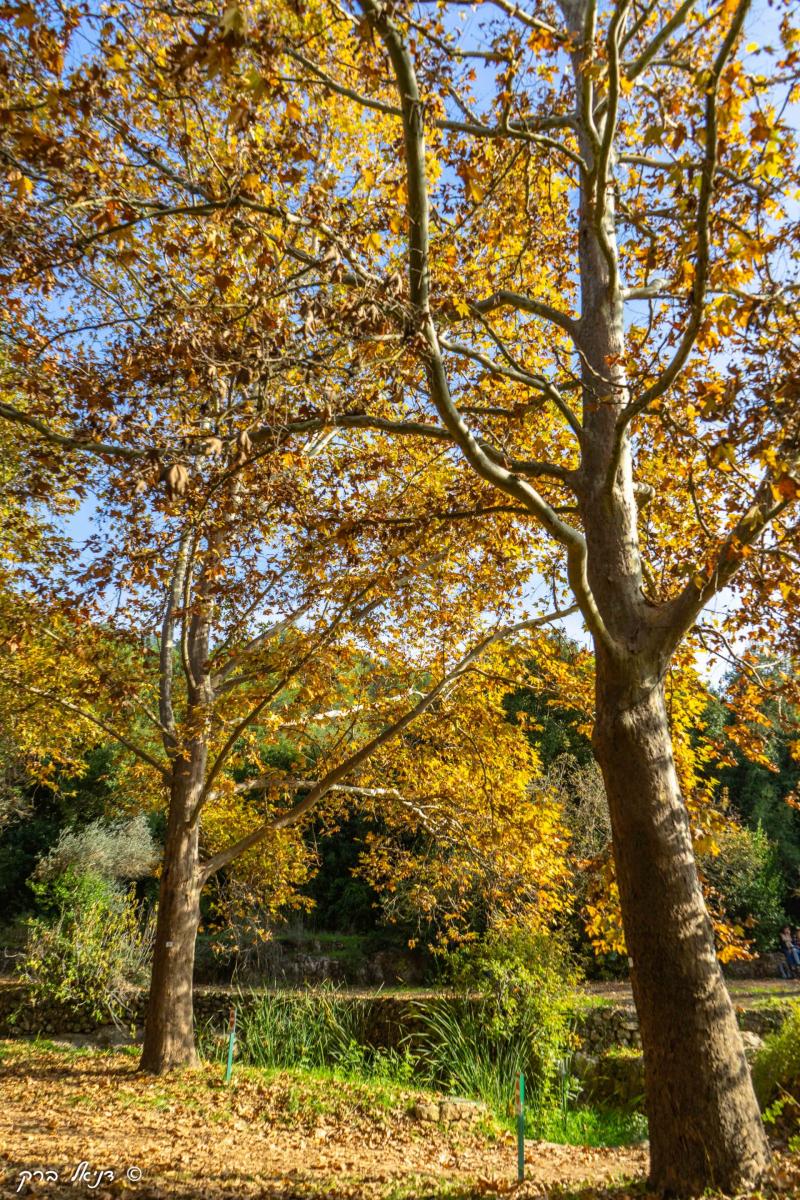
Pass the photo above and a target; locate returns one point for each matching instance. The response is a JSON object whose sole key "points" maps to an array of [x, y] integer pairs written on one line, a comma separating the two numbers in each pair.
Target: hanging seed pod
{"points": [[176, 478], [243, 447]]}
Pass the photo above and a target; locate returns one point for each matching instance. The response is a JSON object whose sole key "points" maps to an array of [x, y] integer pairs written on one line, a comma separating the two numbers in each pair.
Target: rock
{"points": [[616, 1078], [112, 1035], [752, 1044], [764, 966], [762, 1020], [457, 1109], [583, 1064], [426, 1111], [396, 967], [453, 1110]]}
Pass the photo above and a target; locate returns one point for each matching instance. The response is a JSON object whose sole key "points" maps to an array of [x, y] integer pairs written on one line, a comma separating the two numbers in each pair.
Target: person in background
{"points": [[791, 951]]}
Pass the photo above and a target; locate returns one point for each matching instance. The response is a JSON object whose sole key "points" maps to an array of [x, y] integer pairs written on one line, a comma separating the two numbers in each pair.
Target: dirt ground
{"points": [[89, 1119], [262, 1136]]}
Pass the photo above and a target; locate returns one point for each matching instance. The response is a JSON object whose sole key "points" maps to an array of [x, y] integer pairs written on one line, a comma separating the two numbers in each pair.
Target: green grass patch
{"points": [[595, 1126], [305, 1093], [417, 1187]]}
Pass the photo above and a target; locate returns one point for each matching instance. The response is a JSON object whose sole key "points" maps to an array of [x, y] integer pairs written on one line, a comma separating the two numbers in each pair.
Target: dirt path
{"points": [[743, 991]]}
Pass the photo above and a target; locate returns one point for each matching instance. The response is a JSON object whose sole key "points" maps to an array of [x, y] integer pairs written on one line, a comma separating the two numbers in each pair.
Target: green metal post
{"points": [[521, 1128], [231, 1043]]}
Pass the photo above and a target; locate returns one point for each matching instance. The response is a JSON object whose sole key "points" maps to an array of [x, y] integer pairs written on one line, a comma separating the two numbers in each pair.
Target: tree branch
{"points": [[703, 253], [166, 667], [642, 61], [509, 299], [68, 441], [337, 774], [605, 150], [419, 290], [255, 643], [67, 706], [679, 614]]}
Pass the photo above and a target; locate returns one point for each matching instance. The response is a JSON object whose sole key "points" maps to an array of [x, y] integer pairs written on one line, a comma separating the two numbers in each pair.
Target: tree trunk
{"points": [[705, 1127], [169, 1027]]}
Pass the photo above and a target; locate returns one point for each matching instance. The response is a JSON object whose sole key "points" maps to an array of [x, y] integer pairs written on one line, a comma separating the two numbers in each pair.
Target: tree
{"points": [[755, 723], [597, 320], [274, 650], [248, 582], [229, 608], [603, 93]]}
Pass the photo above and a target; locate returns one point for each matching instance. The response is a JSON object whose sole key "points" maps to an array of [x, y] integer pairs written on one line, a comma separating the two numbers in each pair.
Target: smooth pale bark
{"points": [[169, 1025], [705, 1128], [169, 1028]]}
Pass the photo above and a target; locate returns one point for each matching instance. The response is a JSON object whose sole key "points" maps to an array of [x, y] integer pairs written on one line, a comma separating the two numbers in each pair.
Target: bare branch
{"points": [[350, 609], [521, 129], [508, 299], [255, 643], [166, 668], [69, 441], [703, 252], [605, 151], [419, 290], [679, 615], [634, 69]]}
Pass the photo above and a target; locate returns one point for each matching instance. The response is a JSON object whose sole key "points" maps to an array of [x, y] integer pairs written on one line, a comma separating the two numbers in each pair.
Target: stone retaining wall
{"points": [[385, 1019], [605, 1026]]}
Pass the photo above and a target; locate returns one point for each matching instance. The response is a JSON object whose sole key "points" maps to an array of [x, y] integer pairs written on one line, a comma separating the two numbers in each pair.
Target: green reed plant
{"points": [[316, 1030], [511, 1014]]}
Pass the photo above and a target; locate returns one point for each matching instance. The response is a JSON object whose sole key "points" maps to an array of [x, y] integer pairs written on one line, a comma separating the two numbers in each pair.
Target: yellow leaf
{"points": [[234, 21]]}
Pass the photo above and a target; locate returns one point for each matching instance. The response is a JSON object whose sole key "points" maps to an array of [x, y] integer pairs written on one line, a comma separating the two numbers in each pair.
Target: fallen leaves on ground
{"points": [[266, 1135], [272, 1136]]}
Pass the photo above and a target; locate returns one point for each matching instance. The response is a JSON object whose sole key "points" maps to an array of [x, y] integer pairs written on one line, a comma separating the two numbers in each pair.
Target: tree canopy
{"points": [[373, 310]]}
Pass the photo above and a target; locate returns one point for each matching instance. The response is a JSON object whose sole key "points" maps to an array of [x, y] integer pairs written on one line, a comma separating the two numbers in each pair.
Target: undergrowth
{"points": [[510, 1014]]}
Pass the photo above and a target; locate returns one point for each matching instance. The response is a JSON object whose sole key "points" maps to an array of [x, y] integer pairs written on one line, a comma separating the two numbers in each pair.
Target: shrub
{"points": [[512, 1015], [745, 874], [111, 850], [776, 1069], [92, 952]]}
